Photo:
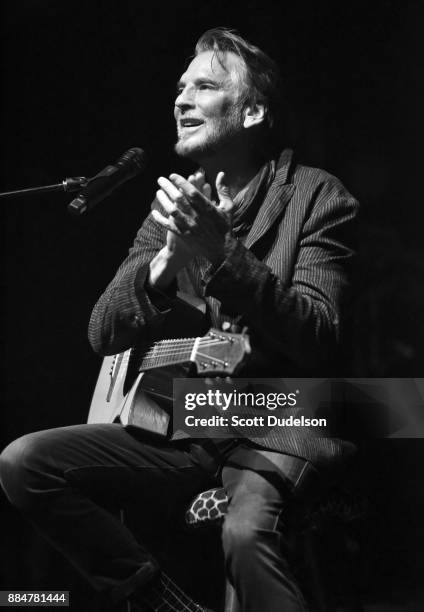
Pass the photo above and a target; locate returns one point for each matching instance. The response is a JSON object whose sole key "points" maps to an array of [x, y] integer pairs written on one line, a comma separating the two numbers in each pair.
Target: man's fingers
{"points": [[193, 193], [197, 192], [167, 204], [169, 188], [173, 194], [168, 223], [157, 216], [197, 179], [207, 191], [221, 186], [177, 221], [194, 196], [184, 223], [225, 201]]}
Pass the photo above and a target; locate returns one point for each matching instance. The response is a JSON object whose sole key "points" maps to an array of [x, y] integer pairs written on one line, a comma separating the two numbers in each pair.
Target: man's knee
{"points": [[21, 471], [240, 536]]}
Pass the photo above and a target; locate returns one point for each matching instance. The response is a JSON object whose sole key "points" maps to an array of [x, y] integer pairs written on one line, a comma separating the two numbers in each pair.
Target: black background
{"points": [[83, 82]]}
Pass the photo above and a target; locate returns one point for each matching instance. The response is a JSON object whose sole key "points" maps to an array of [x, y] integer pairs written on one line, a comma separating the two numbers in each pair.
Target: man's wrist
{"points": [[218, 254], [161, 298], [163, 269]]}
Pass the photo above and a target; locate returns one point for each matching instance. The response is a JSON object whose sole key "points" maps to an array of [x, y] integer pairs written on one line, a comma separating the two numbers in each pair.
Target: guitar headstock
{"points": [[220, 352]]}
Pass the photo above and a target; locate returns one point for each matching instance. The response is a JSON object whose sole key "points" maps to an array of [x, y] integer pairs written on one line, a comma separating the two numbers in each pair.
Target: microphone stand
{"points": [[68, 185]]}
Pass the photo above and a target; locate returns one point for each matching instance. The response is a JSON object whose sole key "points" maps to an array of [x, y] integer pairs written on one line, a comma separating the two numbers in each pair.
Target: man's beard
{"points": [[221, 134]]}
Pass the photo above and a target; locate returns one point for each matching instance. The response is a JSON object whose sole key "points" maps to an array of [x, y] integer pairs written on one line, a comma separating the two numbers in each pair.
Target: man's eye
{"points": [[205, 86]]}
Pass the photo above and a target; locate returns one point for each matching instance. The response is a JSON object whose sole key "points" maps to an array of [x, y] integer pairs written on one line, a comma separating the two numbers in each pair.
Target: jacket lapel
{"points": [[277, 198]]}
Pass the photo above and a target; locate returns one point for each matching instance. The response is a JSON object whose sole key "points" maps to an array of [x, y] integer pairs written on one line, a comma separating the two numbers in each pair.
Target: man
{"points": [[267, 244]]}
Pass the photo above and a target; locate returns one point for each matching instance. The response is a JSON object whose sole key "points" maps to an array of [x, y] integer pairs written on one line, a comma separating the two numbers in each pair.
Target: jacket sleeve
{"points": [[299, 319], [127, 312]]}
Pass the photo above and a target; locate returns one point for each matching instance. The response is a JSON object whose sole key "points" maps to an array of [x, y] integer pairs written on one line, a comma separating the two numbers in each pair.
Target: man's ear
{"points": [[254, 114]]}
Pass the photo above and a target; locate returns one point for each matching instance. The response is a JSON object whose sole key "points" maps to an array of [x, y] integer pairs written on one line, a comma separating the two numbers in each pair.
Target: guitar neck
{"points": [[168, 352], [215, 352]]}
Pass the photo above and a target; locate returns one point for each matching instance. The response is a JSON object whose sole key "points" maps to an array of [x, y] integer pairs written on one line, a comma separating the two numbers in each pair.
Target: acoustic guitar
{"points": [[135, 387]]}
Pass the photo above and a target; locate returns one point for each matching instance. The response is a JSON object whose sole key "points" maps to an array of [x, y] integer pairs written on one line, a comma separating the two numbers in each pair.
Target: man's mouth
{"points": [[186, 122]]}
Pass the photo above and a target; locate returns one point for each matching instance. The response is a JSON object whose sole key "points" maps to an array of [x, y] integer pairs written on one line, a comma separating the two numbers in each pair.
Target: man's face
{"points": [[207, 108]]}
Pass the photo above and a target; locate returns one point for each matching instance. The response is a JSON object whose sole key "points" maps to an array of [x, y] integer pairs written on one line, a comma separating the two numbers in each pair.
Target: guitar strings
{"points": [[177, 348], [172, 355]]}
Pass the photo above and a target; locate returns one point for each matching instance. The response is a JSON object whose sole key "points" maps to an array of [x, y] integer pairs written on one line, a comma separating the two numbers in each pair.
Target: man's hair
{"points": [[261, 72]]}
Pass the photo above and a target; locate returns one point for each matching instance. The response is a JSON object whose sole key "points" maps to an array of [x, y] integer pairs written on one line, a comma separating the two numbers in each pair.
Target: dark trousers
{"points": [[65, 481]]}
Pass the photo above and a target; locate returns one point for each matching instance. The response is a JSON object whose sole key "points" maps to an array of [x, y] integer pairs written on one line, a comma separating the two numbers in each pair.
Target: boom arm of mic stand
{"points": [[69, 185]]}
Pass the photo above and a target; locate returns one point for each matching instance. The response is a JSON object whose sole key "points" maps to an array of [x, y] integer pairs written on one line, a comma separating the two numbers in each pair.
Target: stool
{"points": [[338, 508]]}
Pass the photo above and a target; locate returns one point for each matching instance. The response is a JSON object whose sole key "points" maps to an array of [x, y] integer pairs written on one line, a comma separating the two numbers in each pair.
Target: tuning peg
{"points": [[232, 328]]}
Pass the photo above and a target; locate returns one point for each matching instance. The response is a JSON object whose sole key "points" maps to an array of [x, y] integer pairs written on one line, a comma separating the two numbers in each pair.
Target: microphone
{"points": [[131, 163]]}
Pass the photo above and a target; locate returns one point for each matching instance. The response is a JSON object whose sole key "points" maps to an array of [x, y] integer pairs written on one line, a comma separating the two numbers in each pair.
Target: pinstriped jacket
{"points": [[287, 282]]}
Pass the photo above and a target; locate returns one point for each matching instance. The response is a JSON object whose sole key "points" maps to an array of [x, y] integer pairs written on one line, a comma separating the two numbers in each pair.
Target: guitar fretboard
{"points": [[167, 352], [179, 350]]}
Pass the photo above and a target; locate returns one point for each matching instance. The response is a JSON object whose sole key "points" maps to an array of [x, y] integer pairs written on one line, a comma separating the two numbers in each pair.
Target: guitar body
{"points": [[148, 405], [143, 400], [120, 384], [108, 397]]}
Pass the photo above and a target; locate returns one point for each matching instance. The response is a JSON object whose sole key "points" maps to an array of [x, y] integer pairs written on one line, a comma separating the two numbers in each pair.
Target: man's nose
{"points": [[185, 99]]}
